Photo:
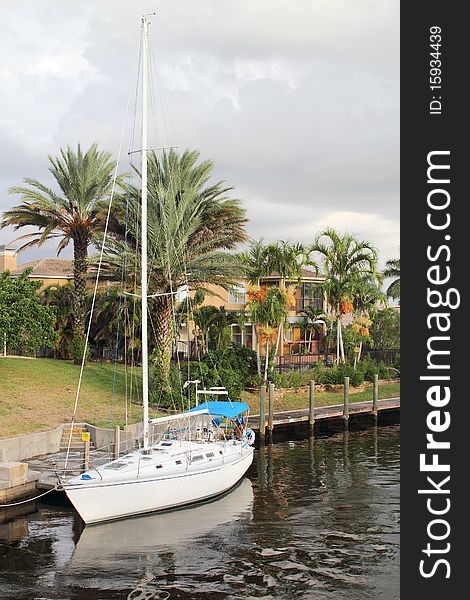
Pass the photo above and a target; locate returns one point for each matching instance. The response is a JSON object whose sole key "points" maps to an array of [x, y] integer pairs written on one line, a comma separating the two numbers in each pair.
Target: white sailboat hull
{"points": [[104, 500]]}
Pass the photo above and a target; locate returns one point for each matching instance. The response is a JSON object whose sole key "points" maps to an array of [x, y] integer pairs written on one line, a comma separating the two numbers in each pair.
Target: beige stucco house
{"points": [[51, 271]]}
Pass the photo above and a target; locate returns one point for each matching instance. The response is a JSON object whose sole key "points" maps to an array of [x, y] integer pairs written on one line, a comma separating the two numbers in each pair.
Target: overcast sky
{"points": [[296, 101]]}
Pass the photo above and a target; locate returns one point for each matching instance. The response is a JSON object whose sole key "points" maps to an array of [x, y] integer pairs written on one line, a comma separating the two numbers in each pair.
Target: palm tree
{"points": [[255, 261], [268, 309], [392, 269], [192, 224], [282, 258], [287, 259], [367, 297], [314, 322], [75, 213], [344, 260], [203, 318]]}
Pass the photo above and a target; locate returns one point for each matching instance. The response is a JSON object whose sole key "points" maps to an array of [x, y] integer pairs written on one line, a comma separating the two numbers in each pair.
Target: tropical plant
{"points": [[268, 310], [287, 259], [192, 224], [26, 325], [116, 317], [367, 298], [392, 270], [385, 330], [345, 260], [75, 213], [314, 322], [255, 262], [61, 298]]}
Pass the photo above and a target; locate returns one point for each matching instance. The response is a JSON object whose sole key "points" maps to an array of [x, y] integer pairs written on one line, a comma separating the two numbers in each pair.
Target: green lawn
{"points": [[38, 394]]}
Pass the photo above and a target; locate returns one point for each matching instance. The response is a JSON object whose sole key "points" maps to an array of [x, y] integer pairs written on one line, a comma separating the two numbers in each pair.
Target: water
{"points": [[314, 520]]}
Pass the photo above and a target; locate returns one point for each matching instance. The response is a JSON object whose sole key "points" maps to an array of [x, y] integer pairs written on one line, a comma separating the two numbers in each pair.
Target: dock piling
{"points": [[271, 410], [117, 441], [375, 399], [311, 407], [346, 400], [262, 413]]}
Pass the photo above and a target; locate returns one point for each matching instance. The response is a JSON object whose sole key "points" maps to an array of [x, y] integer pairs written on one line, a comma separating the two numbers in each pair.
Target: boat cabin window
{"points": [[210, 455], [166, 444], [159, 466], [115, 466], [178, 462], [198, 457]]}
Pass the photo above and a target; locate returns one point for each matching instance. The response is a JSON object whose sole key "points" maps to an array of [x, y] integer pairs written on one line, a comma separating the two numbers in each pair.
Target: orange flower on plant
{"points": [[346, 306], [257, 294]]}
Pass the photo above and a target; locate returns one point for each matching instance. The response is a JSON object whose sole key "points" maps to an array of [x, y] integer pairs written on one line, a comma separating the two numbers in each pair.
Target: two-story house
{"points": [[295, 341]]}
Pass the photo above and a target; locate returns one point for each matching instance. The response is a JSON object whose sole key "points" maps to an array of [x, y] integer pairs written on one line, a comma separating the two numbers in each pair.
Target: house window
{"points": [[310, 295], [237, 295], [237, 335], [244, 336]]}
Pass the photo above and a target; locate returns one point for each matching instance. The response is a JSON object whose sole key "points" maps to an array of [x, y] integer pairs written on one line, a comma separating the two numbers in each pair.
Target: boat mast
{"points": [[145, 379]]}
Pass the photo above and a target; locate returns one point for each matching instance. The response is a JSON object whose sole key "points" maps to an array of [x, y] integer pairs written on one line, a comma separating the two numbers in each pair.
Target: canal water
{"points": [[315, 519]]}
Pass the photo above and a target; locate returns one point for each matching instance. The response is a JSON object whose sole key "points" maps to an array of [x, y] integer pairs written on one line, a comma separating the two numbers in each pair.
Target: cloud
{"points": [[296, 102]]}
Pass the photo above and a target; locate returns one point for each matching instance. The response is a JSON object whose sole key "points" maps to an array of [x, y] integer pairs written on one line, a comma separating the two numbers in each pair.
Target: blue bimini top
{"points": [[221, 409]]}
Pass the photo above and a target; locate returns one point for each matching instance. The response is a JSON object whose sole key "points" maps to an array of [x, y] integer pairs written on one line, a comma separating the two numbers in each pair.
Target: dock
{"points": [[327, 419]]}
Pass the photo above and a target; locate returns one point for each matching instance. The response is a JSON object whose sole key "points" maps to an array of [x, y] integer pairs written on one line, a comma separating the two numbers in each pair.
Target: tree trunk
{"points": [[267, 360], [163, 343], [278, 340], [341, 341], [258, 353], [338, 325], [80, 254]]}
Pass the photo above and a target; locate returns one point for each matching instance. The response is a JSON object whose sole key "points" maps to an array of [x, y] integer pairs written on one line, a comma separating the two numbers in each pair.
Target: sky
{"points": [[296, 101]]}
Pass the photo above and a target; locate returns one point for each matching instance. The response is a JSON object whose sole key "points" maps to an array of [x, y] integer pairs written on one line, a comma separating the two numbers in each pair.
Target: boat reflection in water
{"points": [[99, 546]]}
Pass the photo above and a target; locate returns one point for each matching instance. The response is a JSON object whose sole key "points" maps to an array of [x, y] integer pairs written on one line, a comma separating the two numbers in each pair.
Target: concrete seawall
{"points": [[23, 447]]}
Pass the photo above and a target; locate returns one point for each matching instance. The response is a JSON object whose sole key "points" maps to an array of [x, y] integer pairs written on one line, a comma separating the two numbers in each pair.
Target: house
{"points": [[51, 271], [308, 292]]}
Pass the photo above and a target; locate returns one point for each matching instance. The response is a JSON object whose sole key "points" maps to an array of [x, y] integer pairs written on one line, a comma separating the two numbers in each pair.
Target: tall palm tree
{"points": [[287, 259], [315, 321], [255, 261], [283, 258], [268, 310], [74, 213], [344, 260], [192, 224], [392, 269], [367, 298]]}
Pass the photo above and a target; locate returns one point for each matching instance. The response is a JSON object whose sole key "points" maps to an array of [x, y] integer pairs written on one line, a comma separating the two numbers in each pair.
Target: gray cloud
{"points": [[297, 102]]}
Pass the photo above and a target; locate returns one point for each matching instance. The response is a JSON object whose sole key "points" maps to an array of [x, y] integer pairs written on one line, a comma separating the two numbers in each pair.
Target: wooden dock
{"points": [[328, 418]]}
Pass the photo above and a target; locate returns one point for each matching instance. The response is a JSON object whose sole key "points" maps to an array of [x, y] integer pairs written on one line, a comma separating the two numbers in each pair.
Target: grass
{"points": [[300, 400], [39, 394]]}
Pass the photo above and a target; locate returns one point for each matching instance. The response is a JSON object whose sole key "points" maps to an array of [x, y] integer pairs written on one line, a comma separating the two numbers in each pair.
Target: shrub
{"points": [[78, 346], [369, 368]]}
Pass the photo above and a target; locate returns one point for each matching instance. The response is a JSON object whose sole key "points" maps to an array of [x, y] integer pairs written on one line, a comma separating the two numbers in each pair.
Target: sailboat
{"points": [[185, 459]]}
